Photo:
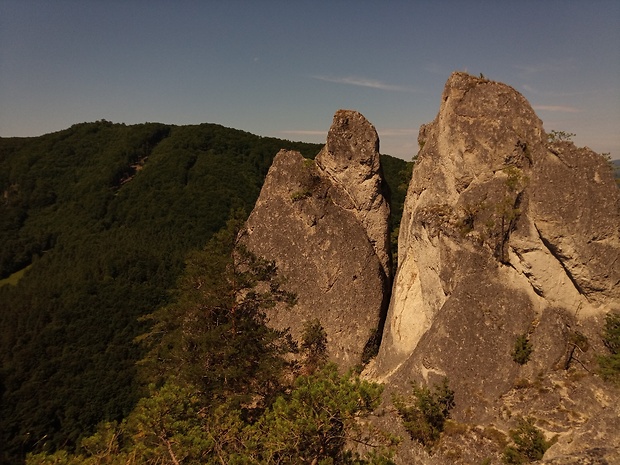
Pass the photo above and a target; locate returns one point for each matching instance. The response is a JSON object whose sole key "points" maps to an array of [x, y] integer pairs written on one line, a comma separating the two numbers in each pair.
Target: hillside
{"points": [[96, 222]]}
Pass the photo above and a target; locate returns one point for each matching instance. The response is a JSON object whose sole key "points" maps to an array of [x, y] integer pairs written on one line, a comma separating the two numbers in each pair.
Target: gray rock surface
{"points": [[505, 234], [325, 224]]}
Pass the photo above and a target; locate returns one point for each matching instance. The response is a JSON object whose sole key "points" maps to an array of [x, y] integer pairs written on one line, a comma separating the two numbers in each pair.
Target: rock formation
{"points": [[325, 224], [505, 235]]}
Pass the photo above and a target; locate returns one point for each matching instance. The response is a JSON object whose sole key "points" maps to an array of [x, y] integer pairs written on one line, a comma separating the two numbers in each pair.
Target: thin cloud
{"points": [[407, 132], [553, 67], [547, 93], [304, 132], [556, 108], [393, 132], [435, 68], [530, 89], [364, 82]]}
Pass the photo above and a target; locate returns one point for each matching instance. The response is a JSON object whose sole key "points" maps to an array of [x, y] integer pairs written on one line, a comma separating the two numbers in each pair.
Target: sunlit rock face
{"points": [[325, 223], [503, 234]]}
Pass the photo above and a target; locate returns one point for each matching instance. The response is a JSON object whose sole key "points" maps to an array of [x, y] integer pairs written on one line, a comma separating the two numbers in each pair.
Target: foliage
{"points": [[173, 425], [522, 350], [214, 335], [100, 219], [610, 364], [529, 444], [215, 367], [611, 332], [314, 344], [397, 174], [300, 195], [314, 423], [556, 136], [424, 415], [104, 215]]}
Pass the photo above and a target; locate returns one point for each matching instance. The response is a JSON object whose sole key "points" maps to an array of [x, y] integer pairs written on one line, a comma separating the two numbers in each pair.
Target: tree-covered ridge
{"points": [[81, 174], [103, 254], [616, 167], [101, 217]]}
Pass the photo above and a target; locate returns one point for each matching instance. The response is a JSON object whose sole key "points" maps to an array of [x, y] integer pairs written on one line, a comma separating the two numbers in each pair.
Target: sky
{"points": [[283, 68]]}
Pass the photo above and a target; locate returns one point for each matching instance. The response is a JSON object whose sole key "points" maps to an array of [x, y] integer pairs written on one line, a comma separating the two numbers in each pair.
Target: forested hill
{"points": [[95, 224]]}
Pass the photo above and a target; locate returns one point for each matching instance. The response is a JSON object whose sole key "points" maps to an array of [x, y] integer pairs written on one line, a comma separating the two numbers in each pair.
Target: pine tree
{"points": [[214, 335]]}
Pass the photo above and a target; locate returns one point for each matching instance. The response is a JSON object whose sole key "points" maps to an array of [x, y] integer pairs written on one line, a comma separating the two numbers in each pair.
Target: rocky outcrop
{"points": [[350, 159], [325, 224], [503, 235]]}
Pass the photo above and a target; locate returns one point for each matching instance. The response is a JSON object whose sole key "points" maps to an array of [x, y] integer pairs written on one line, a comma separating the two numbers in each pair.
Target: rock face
{"points": [[505, 234], [325, 224]]}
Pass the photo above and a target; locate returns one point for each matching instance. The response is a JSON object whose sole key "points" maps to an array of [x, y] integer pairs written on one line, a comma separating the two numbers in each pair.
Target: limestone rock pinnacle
{"points": [[504, 234], [325, 224], [351, 160]]}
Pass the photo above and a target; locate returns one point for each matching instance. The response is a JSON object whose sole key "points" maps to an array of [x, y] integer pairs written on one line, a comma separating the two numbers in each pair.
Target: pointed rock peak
{"points": [[350, 159], [352, 142], [503, 235], [325, 224], [488, 110]]}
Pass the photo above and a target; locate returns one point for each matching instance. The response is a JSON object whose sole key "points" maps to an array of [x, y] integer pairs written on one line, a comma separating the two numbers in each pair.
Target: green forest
{"points": [[103, 227]]}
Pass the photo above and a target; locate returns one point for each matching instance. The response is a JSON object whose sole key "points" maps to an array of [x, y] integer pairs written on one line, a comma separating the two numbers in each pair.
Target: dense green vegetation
{"points": [[225, 388], [424, 414], [529, 444], [522, 349], [610, 364], [397, 174], [96, 222]]}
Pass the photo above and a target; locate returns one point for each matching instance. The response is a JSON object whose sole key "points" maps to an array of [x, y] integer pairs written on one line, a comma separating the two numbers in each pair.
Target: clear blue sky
{"points": [[282, 68]]}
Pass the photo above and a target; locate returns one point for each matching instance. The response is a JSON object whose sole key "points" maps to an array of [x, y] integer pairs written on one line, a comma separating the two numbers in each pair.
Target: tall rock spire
{"points": [[504, 235], [325, 224]]}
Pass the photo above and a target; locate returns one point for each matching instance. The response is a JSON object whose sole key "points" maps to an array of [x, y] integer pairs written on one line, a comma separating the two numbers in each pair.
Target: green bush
{"points": [[300, 195], [529, 444], [314, 344], [611, 332], [555, 136], [610, 364], [522, 350], [424, 415]]}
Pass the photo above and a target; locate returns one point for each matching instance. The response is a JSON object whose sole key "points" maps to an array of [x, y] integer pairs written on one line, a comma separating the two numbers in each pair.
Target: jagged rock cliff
{"points": [[325, 224], [505, 234]]}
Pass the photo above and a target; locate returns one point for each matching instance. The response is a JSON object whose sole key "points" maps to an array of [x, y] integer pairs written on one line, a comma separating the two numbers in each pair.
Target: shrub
{"points": [[611, 332], [300, 195], [522, 350], [529, 444], [424, 416], [555, 136], [610, 364], [314, 344]]}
